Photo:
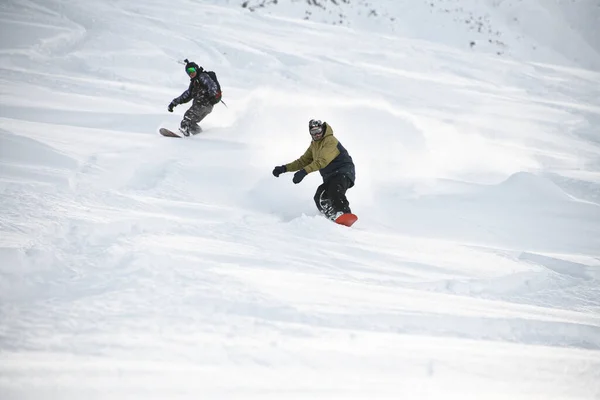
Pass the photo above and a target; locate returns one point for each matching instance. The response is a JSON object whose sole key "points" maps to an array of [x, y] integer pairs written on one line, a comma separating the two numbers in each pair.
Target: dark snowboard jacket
{"points": [[201, 89], [327, 156]]}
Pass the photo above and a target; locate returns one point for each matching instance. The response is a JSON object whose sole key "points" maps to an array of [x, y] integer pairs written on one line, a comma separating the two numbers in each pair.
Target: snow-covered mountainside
{"points": [[556, 31], [134, 266]]}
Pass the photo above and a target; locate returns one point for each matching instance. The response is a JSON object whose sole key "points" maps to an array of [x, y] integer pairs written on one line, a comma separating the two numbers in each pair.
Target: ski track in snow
{"points": [[132, 265]]}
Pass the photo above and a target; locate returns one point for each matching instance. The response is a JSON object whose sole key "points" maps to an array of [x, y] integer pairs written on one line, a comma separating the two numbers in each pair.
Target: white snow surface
{"points": [[566, 32], [136, 266]]}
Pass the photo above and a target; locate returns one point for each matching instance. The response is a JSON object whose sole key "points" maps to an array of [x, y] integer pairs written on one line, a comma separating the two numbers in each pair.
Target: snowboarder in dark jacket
{"points": [[203, 91], [326, 155]]}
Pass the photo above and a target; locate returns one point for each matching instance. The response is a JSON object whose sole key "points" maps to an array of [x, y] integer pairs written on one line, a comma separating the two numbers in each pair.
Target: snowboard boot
{"points": [[184, 132], [184, 127], [189, 128], [194, 129], [336, 215], [326, 207]]}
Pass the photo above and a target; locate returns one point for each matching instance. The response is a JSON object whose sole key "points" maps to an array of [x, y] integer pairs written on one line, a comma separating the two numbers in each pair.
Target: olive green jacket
{"points": [[327, 156]]}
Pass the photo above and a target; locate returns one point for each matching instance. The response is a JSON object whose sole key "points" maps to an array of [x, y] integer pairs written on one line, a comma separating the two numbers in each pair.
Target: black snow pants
{"points": [[330, 197], [197, 112]]}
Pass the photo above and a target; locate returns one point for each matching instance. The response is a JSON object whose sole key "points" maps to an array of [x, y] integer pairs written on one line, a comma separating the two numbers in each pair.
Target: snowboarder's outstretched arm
{"points": [[183, 98], [302, 162]]}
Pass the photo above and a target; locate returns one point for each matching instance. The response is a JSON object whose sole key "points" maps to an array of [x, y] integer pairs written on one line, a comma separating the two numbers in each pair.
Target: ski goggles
{"points": [[191, 70], [315, 127]]}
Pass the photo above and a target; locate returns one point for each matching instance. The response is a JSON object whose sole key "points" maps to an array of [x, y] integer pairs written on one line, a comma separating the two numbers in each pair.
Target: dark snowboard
{"points": [[168, 133]]}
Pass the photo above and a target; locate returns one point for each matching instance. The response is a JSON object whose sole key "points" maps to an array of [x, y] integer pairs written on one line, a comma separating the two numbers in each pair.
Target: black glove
{"points": [[171, 105], [298, 176], [279, 170]]}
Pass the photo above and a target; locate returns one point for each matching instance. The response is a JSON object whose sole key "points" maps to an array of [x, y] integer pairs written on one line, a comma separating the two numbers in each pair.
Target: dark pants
{"points": [[330, 197], [196, 113]]}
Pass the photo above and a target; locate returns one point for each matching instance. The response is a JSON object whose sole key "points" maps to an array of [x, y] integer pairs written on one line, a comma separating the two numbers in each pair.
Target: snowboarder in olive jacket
{"points": [[326, 155]]}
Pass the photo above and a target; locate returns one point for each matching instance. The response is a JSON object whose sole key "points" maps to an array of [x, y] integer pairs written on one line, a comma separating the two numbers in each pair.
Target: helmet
{"points": [[191, 67], [316, 128]]}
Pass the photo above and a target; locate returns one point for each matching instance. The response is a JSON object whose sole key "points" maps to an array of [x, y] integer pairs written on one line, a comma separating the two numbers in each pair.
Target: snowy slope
{"points": [[555, 31], [136, 266]]}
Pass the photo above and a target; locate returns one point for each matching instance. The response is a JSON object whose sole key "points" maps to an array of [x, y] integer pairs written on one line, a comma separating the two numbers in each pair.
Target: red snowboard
{"points": [[346, 219]]}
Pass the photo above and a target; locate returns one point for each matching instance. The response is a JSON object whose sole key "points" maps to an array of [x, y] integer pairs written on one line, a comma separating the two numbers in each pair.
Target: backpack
{"points": [[217, 98]]}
